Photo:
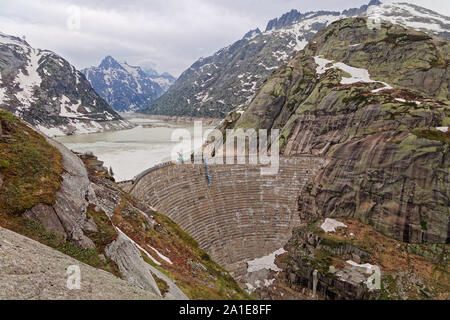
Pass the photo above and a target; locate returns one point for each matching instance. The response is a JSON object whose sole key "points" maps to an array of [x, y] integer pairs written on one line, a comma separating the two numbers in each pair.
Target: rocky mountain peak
{"points": [[252, 33], [229, 79], [284, 20], [374, 3], [48, 92], [124, 86], [152, 73], [109, 62]]}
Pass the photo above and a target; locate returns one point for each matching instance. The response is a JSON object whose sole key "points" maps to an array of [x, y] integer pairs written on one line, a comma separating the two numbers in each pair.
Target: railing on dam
{"points": [[243, 215]]}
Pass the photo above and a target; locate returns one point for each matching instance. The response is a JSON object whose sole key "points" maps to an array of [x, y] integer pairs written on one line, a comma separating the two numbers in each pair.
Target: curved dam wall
{"points": [[242, 216]]}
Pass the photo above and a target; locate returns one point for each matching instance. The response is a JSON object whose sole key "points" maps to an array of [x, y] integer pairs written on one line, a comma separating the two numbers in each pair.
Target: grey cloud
{"points": [[168, 35]]}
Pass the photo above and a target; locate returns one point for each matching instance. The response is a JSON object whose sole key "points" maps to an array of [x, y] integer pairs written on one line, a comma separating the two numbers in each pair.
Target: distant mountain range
{"points": [[48, 92], [229, 79], [126, 87]]}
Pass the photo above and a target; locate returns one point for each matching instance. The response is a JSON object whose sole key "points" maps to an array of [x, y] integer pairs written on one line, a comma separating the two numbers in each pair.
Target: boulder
{"points": [[132, 266]]}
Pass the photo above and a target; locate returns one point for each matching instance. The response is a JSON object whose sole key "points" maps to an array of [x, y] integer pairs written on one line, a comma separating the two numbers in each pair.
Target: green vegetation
{"points": [[32, 172], [424, 225], [36, 231], [433, 135], [172, 226], [192, 270], [439, 62], [31, 168], [162, 285], [388, 288], [398, 38], [106, 233]]}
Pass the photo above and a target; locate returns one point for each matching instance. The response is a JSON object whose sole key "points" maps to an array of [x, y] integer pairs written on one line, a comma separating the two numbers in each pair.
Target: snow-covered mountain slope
{"points": [[48, 92], [165, 79], [412, 16], [229, 79], [126, 87]]}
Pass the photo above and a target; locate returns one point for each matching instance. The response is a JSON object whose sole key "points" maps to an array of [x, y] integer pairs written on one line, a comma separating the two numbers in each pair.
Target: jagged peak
{"points": [[287, 18], [109, 62], [9, 39], [252, 33], [374, 3], [294, 15]]}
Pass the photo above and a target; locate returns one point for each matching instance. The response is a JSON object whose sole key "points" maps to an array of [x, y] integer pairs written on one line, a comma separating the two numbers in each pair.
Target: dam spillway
{"points": [[242, 216]]}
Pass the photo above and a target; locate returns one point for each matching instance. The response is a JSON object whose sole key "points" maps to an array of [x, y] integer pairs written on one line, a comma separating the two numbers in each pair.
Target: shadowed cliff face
{"points": [[370, 101]]}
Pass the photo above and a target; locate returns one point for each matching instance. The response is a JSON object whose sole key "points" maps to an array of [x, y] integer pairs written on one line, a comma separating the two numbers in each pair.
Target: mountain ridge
{"points": [[48, 92], [126, 87], [227, 81]]}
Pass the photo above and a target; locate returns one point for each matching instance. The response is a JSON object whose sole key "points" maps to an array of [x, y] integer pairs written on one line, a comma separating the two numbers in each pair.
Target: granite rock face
{"points": [[32, 271], [370, 101], [67, 216], [132, 267], [354, 261]]}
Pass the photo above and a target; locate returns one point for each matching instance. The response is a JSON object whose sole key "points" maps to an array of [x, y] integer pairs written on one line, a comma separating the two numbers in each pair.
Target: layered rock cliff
{"points": [[371, 101], [374, 103]]}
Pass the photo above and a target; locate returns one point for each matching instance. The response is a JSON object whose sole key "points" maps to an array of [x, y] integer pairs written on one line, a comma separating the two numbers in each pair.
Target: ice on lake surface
{"points": [[129, 152]]}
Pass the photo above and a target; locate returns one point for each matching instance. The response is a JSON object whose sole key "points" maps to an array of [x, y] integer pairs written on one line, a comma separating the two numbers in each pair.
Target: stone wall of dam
{"points": [[242, 216]]}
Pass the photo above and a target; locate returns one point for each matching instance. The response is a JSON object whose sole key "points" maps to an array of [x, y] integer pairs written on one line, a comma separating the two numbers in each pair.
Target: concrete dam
{"points": [[237, 215]]}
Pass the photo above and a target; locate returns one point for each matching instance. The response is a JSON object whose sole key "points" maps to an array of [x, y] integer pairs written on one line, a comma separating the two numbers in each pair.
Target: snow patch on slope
{"points": [[29, 78], [266, 262], [410, 16], [356, 74], [68, 109], [163, 257], [2, 90], [330, 225], [139, 247]]}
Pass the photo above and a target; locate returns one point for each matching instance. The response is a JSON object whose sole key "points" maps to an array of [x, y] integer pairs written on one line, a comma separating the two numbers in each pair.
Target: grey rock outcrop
{"points": [[388, 160], [346, 284], [131, 264], [174, 292], [32, 271], [67, 216]]}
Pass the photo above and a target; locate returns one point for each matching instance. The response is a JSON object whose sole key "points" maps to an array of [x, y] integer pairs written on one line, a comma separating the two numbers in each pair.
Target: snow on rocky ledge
{"points": [[356, 74], [266, 262], [330, 225]]}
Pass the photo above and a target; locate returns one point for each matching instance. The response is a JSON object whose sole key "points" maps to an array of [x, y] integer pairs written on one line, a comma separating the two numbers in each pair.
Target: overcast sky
{"points": [[167, 35]]}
